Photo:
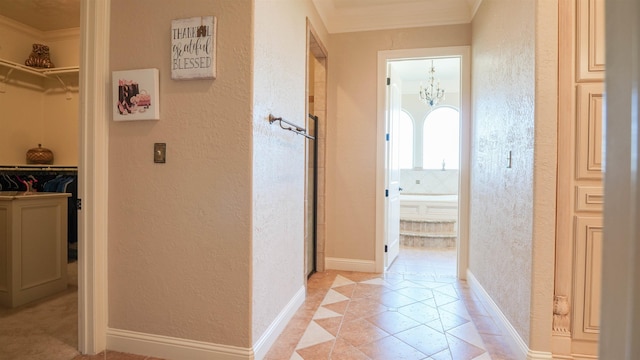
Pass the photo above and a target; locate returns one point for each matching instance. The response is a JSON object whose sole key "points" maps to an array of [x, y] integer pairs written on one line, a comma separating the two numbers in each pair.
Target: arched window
{"points": [[405, 140], [441, 141]]}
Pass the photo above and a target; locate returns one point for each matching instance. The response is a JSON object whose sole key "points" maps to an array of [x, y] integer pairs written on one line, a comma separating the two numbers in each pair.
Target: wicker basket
{"points": [[39, 155]]}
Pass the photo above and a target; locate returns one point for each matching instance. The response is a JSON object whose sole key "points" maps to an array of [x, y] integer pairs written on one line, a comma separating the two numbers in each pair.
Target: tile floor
{"points": [[417, 310]]}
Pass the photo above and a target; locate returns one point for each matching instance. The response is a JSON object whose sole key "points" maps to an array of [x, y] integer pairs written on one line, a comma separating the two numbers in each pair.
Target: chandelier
{"points": [[432, 94]]}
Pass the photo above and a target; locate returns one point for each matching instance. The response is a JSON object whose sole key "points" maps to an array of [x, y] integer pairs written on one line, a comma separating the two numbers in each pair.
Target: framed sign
{"points": [[136, 95], [193, 48]]}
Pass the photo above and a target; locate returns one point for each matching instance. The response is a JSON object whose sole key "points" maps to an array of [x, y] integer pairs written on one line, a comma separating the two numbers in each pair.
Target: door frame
{"points": [[93, 175], [464, 52], [316, 47]]}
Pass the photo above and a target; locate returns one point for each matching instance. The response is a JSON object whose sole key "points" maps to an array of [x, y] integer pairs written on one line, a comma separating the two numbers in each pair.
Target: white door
{"points": [[392, 191]]}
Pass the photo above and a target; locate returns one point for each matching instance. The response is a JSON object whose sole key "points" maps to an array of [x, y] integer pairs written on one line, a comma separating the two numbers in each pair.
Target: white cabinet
{"points": [[33, 246], [579, 241]]}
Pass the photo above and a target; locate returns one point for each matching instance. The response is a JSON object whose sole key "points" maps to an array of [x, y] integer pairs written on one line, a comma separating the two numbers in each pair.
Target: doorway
{"points": [[432, 210], [93, 175], [42, 314], [314, 154]]}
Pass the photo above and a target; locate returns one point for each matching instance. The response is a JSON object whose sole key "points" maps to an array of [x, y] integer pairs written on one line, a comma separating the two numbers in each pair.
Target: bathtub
{"points": [[428, 207]]}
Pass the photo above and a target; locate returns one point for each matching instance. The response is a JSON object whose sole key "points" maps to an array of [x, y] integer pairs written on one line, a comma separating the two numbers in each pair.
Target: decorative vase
{"points": [[40, 155], [39, 57]]}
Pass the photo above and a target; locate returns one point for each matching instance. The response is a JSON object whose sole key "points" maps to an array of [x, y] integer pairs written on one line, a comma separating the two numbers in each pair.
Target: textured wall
{"points": [[351, 130], [180, 232], [278, 155], [31, 115], [503, 120]]}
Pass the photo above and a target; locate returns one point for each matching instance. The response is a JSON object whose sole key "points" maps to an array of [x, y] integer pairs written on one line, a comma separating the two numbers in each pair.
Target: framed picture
{"points": [[193, 48], [136, 95]]}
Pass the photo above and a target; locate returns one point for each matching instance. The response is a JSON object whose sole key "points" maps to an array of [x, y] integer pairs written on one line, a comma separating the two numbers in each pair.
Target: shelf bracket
{"points": [[45, 73], [3, 85], [64, 86]]}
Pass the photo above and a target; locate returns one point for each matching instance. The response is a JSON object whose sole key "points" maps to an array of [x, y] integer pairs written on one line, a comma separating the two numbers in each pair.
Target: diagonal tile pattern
{"points": [[416, 310]]}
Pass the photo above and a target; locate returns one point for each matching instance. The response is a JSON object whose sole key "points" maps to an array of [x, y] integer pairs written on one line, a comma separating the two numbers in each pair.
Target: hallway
{"points": [[417, 310]]}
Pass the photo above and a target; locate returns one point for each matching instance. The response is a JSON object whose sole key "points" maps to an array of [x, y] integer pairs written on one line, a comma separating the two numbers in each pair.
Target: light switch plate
{"points": [[160, 153]]}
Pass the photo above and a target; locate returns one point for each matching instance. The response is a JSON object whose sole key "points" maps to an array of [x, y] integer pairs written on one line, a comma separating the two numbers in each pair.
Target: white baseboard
{"points": [[262, 346], [349, 264], [171, 348], [539, 355], [518, 346]]}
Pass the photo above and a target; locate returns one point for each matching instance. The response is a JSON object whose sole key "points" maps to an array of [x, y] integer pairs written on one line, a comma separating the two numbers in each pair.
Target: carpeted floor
{"points": [[45, 329]]}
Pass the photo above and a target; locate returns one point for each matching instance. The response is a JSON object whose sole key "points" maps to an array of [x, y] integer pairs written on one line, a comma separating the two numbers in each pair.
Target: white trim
{"points": [[93, 176], [39, 34], [518, 346], [465, 146], [18, 26], [62, 34], [389, 16], [262, 346], [573, 357], [332, 263], [516, 343], [474, 5], [539, 355], [171, 348]]}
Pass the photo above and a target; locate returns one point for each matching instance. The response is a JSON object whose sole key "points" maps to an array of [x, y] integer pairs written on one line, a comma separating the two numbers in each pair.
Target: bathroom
{"points": [[429, 153]]}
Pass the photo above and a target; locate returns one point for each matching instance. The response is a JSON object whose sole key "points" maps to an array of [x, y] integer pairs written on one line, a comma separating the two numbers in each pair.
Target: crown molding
{"points": [[18, 26], [385, 15], [73, 33], [473, 6], [39, 34]]}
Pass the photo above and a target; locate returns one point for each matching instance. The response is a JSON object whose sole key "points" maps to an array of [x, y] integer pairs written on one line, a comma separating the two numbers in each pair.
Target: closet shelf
{"points": [[45, 73], [39, 72]]}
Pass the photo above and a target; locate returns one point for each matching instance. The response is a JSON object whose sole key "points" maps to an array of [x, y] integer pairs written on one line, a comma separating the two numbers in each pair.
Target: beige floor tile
{"points": [[359, 332], [427, 340], [332, 325], [346, 290], [391, 348], [462, 350], [320, 351], [339, 307], [345, 351], [392, 321], [360, 308], [420, 312]]}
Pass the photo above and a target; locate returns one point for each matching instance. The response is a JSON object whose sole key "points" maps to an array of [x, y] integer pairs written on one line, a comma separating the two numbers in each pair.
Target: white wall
{"points": [[432, 182], [179, 235], [36, 110], [503, 74], [352, 130], [279, 71]]}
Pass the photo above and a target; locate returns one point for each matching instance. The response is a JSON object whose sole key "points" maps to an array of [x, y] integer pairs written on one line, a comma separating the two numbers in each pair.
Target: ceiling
{"points": [[338, 15], [415, 72], [44, 15]]}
